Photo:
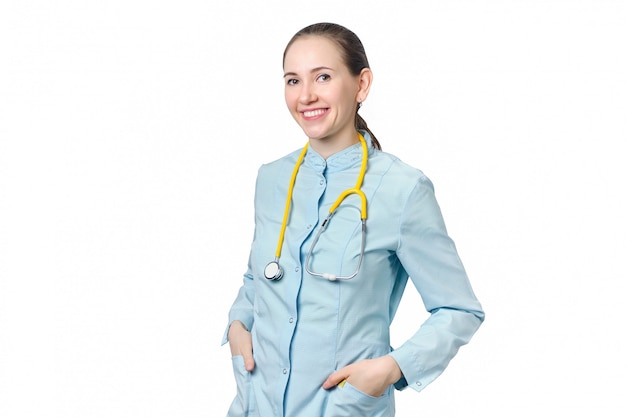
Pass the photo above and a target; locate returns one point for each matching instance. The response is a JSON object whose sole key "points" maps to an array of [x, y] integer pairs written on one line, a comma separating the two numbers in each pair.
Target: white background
{"points": [[130, 136]]}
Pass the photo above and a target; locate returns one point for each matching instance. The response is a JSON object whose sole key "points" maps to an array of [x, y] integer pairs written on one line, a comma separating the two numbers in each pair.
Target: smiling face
{"points": [[321, 93]]}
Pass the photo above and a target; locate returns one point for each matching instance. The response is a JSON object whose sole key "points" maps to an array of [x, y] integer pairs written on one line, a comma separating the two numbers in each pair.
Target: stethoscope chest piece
{"points": [[273, 271]]}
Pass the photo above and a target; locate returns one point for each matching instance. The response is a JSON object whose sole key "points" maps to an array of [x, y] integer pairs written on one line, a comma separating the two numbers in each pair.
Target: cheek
{"points": [[342, 98], [348, 106], [291, 99]]}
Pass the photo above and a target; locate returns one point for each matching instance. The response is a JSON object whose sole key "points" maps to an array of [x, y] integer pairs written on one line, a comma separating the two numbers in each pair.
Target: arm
{"points": [[242, 308], [430, 258], [241, 318]]}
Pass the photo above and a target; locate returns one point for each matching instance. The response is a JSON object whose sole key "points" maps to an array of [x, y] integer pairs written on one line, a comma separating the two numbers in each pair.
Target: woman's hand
{"points": [[240, 342], [371, 376]]}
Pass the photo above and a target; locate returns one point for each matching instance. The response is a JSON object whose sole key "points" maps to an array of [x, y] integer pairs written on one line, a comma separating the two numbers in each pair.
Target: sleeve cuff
{"points": [[411, 375], [401, 384]]}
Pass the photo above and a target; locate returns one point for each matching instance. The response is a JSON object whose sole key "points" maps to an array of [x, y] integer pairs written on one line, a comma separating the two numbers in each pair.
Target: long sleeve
{"points": [[242, 308], [430, 258]]}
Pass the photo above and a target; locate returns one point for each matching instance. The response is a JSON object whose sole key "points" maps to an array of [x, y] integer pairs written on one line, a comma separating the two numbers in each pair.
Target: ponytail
{"points": [[361, 125]]}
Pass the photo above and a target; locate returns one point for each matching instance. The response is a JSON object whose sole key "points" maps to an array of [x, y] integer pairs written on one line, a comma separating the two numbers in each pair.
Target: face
{"points": [[321, 93]]}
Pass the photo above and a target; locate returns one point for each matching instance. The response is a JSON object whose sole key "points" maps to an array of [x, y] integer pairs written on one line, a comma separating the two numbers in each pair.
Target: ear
{"points": [[365, 82]]}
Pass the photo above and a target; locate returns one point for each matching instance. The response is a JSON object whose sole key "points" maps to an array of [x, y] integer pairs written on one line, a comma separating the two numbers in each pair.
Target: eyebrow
{"points": [[289, 74]]}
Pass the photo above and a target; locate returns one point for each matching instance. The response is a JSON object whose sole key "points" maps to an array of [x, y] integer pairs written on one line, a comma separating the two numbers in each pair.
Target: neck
{"points": [[327, 147]]}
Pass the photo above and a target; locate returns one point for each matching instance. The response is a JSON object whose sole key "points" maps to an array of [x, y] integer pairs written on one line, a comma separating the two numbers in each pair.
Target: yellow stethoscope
{"points": [[273, 271]]}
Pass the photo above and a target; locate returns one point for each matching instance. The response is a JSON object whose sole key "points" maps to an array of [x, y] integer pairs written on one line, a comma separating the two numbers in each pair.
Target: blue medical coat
{"points": [[304, 327]]}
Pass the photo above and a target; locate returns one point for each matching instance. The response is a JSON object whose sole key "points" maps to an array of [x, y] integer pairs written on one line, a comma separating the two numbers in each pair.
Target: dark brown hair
{"points": [[352, 52]]}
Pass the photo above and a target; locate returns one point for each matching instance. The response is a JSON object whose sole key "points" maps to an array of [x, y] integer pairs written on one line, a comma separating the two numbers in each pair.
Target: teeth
{"points": [[313, 113]]}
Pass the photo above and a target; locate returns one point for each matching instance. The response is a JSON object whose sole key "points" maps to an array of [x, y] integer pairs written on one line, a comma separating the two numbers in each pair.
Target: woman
{"points": [[309, 329]]}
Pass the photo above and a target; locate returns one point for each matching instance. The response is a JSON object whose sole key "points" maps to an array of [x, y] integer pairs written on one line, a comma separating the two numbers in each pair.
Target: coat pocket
{"points": [[244, 404], [348, 401]]}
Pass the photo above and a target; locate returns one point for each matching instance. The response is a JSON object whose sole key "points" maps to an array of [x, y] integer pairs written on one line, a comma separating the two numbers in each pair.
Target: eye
{"points": [[323, 77], [292, 81]]}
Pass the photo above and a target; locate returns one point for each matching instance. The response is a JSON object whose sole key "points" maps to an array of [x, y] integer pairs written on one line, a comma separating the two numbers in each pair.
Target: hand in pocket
{"points": [[371, 376], [240, 342]]}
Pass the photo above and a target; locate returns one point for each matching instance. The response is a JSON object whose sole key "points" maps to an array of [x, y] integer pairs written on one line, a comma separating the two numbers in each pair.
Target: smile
{"points": [[310, 114]]}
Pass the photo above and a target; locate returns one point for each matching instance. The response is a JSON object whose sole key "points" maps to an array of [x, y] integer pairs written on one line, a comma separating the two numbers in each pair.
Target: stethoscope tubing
{"points": [[273, 271], [326, 275]]}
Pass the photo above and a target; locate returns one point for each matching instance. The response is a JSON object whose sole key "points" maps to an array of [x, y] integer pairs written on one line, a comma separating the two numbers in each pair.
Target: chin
{"points": [[313, 135], [319, 138]]}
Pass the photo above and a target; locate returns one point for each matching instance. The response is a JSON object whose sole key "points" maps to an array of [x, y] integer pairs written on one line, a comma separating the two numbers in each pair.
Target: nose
{"points": [[307, 93]]}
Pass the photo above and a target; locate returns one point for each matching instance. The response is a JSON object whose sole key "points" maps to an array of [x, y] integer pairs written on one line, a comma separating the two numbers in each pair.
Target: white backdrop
{"points": [[130, 137]]}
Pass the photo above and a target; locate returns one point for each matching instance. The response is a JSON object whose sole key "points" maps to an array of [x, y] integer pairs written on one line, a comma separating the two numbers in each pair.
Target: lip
{"points": [[313, 114]]}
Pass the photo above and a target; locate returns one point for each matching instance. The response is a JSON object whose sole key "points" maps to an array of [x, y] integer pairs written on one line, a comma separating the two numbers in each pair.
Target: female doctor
{"points": [[340, 227]]}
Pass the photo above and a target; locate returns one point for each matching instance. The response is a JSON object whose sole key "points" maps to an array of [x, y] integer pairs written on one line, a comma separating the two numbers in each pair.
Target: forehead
{"points": [[313, 51]]}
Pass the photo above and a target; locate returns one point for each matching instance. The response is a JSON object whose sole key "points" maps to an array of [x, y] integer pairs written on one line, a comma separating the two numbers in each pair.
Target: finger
{"points": [[245, 349], [335, 378], [248, 361]]}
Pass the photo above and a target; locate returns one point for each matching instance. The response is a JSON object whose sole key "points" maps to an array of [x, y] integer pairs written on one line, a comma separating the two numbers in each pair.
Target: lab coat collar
{"points": [[343, 159]]}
